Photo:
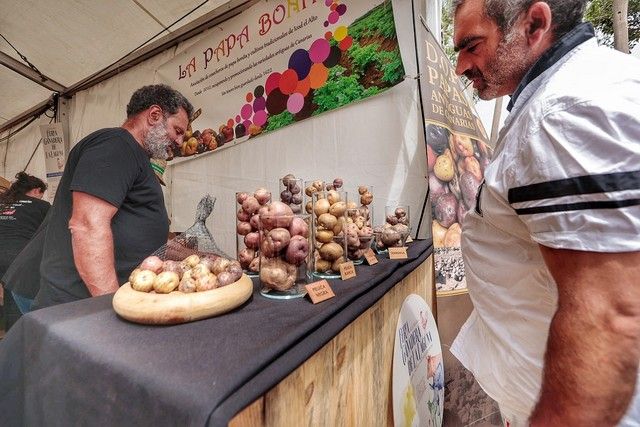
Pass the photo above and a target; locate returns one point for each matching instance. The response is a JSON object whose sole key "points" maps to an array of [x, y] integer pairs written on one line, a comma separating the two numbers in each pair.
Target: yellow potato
{"points": [[331, 251], [321, 206], [143, 280], [444, 168], [439, 233], [166, 282], [453, 235], [338, 209], [324, 236], [327, 221]]}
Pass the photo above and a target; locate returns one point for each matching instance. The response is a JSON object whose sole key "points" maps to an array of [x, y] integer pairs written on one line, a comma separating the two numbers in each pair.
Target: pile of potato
{"points": [[291, 193], [192, 274], [284, 246], [395, 230], [248, 226], [456, 165]]}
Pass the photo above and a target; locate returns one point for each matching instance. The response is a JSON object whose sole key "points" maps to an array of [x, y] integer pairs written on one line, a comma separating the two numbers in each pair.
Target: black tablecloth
{"points": [[80, 364]]}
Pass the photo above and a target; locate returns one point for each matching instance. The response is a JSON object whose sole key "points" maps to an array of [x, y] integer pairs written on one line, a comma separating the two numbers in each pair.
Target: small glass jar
{"points": [[329, 218], [285, 254], [248, 227], [291, 192], [395, 230]]}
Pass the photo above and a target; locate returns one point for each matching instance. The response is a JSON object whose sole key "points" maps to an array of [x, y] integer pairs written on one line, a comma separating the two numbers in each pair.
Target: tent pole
{"points": [[30, 74]]}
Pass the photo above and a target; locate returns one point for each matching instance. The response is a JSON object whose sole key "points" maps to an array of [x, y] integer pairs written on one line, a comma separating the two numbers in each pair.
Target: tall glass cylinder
{"points": [[329, 219], [285, 248], [248, 228]]}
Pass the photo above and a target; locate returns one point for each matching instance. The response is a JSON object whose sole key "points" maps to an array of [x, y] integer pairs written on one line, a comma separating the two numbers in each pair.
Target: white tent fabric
{"points": [[378, 141], [70, 40]]}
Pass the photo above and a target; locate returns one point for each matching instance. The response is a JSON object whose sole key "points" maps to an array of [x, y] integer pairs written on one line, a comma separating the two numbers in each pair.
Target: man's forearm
{"points": [[590, 368], [94, 258]]}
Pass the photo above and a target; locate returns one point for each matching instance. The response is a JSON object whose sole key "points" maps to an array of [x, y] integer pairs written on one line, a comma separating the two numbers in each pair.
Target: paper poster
{"points": [[457, 155], [281, 62], [54, 156], [418, 369]]}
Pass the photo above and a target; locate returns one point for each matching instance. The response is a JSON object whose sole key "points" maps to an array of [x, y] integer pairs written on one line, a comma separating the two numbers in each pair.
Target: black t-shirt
{"points": [[111, 165], [23, 275], [18, 222]]}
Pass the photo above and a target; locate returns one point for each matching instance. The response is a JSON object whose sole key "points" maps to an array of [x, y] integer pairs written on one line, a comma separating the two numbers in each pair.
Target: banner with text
{"points": [[280, 62], [54, 155], [457, 154]]}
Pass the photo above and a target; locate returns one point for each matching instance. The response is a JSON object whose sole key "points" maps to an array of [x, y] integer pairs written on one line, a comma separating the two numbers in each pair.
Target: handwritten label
{"points": [[409, 239], [347, 270], [319, 291], [398, 253], [370, 256]]}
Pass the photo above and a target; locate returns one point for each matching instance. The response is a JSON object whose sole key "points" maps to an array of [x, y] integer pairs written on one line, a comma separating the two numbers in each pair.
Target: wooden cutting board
{"points": [[178, 307]]}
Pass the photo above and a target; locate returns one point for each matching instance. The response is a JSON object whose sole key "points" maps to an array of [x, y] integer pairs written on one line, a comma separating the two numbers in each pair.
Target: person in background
{"points": [[22, 210], [552, 249], [109, 212]]}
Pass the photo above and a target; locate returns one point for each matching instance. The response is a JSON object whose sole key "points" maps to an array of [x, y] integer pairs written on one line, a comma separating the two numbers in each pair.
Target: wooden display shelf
{"points": [[348, 381]]}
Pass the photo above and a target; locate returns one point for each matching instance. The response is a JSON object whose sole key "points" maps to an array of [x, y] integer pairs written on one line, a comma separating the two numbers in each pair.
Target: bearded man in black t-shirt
{"points": [[109, 211]]}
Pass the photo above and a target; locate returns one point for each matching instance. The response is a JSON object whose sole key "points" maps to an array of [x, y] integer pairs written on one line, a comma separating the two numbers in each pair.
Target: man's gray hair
{"points": [[565, 14]]}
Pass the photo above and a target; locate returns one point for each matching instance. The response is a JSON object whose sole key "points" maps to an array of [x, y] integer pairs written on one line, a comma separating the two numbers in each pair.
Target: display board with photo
{"points": [[457, 155]]}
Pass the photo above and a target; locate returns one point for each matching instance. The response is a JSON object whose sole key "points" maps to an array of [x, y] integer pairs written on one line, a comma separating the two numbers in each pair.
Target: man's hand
{"points": [[92, 242], [591, 361]]}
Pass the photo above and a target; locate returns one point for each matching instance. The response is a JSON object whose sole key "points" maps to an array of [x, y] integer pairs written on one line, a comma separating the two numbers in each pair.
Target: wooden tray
{"points": [[178, 307]]}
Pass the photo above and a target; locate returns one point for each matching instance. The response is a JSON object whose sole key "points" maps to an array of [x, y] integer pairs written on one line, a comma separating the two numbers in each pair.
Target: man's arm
{"points": [[591, 360], [92, 242]]}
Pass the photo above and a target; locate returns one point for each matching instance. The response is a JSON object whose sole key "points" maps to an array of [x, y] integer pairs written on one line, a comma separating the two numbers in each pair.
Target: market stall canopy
{"points": [[71, 44]]}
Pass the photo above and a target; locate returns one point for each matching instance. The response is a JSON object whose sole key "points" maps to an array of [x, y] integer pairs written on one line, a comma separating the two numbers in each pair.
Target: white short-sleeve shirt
{"points": [[565, 174]]}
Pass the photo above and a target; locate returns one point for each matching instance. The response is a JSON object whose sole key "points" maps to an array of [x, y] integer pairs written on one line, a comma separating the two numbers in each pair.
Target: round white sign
{"points": [[418, 370]]}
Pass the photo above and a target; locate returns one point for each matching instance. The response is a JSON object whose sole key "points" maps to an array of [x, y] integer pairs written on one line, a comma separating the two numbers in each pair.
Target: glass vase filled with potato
{"points": [[358, 234], [395, 230], [285, 249], [329, 217], [247, 228]]}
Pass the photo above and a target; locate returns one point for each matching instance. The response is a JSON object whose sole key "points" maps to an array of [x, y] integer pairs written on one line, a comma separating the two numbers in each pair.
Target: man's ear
{"points": [[537, 22], [154, 115]]}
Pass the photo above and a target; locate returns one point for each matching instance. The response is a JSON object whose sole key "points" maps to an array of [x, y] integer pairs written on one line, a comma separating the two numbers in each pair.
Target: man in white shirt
{"points": [[552, 250]]}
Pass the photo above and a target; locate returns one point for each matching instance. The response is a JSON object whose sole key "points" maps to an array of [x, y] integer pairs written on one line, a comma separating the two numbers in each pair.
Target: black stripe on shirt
{"points": [[604, 204], [587, 184]]}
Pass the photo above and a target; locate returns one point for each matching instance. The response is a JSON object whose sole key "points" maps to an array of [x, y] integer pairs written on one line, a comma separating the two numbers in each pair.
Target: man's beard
{"points": [[157, 141], [510, 62]]}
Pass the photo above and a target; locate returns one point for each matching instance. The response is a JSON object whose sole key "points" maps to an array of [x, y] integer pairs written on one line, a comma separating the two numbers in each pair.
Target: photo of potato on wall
{"points": [[456, 164]]}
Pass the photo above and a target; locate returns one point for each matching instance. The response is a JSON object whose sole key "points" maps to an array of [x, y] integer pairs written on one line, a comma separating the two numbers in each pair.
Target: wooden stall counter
{"points": [[348, 381]]}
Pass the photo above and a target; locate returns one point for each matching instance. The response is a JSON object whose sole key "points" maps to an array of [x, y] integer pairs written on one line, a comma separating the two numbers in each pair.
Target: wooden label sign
{"points": [[319, 291], [370, 256], [398, 253], [347, 270]]}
